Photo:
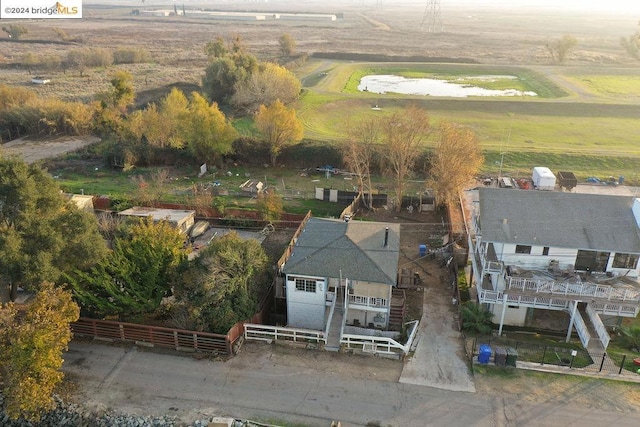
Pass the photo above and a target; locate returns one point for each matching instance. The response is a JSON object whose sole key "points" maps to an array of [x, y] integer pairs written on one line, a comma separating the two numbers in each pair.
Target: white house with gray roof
{"points": [[573, 252], [331, 256]]}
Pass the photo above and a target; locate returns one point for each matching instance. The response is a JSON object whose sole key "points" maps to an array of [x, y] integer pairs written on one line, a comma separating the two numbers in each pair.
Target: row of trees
{"points": [[84, 58], [394, 143]]}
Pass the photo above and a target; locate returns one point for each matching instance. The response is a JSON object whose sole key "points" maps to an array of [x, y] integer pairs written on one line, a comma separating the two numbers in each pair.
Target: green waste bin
{"points": [[512, 357]]}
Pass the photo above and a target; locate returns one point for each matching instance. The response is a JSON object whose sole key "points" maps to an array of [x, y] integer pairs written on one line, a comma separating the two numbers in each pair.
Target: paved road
{"points": [[257, 385]]}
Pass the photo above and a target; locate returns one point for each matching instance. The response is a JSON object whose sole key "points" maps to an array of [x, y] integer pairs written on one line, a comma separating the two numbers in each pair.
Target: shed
{"points": [[181, 219], [543, 178]]}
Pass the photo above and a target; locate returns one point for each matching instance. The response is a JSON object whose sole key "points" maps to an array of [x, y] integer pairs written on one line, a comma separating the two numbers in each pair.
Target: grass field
{"points": [[590, 138]]}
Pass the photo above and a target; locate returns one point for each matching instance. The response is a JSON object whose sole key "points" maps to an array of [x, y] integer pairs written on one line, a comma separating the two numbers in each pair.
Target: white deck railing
{"points": [[368, 301], [493, 297], [381, 345], [615, 309], [582, 289], [270, 333], [582, 330]]}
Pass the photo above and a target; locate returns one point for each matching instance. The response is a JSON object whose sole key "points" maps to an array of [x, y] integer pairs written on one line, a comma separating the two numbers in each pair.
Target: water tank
{"points": [[484, 354]]}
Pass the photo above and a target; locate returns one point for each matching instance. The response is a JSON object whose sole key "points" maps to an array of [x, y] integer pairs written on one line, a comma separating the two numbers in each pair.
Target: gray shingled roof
{"points": [[327, 247], [558, 219]]}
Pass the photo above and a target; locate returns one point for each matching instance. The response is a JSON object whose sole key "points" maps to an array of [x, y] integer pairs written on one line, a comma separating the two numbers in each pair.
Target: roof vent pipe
{"points": [[386, 237]]}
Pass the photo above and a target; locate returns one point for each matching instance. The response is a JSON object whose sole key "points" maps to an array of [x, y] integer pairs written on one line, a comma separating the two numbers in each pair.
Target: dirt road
{"points": [[271, 383]]}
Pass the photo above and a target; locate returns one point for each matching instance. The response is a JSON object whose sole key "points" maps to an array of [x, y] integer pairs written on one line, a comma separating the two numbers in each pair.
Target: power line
{"points": [[431, 20]]}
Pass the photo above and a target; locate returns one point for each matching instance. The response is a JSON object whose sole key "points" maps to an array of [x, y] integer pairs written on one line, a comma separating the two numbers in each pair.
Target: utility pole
{"points": [[431, 20]]}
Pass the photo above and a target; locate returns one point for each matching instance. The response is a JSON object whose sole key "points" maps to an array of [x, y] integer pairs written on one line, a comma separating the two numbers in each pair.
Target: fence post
{"points": [[121, 328], [544, 354], [604, 356], [175, 339], [473, 348], [624, 357]]}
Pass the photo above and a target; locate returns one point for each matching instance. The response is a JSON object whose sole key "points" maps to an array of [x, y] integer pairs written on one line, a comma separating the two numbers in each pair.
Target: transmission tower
{"points": [[431, 21]]}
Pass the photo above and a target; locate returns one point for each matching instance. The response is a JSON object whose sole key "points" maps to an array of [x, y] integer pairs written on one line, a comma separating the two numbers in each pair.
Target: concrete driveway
{"points": [[439, 360]]}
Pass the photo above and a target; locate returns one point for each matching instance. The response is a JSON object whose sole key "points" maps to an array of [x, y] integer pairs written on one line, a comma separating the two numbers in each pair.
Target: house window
{"points": [[625, 261], [545, 251], [306, 285], [523, 249]]}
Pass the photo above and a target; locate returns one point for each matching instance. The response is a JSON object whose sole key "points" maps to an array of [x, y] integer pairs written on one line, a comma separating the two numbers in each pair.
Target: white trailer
{"points": [[543, 178]]}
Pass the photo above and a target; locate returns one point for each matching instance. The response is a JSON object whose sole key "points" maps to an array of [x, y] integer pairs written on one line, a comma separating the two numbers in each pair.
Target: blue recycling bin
{"points": [[484, 354], [423, 250]]}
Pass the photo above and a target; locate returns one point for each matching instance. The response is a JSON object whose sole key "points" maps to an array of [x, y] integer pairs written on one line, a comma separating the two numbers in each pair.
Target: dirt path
{"points": [[33, 150]]}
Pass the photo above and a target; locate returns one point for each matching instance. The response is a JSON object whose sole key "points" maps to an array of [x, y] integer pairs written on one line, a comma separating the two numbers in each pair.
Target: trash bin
{"points": [[484, 354], [500, 358], [512, 357], [423, 250]]}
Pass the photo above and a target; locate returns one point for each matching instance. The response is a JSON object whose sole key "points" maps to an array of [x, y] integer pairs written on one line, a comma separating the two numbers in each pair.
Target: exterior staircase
{"points": [[398, 309], [595, 344], [335, 330]]}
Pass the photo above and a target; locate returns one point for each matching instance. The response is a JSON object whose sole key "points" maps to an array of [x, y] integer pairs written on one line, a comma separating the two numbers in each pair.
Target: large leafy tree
{"points": [[31, 346], [42, 235], [161, 125], [457, 158], [263, 87], [221, 286], [403, 136], [139, 272], [209, 133], [114, 102], [279, 127], [227, 67]]}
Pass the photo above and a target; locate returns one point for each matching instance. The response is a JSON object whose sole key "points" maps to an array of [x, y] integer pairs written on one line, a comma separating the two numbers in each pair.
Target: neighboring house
{"points": [[535, 250], [180, 219], [333, 259]]}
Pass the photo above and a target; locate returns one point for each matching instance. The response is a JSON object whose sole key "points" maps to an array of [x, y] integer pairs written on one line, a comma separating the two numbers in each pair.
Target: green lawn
{"points": [[625, 86]]}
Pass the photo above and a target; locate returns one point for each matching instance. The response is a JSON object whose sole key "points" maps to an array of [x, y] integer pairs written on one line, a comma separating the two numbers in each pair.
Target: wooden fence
{"points": [[154, 336]]}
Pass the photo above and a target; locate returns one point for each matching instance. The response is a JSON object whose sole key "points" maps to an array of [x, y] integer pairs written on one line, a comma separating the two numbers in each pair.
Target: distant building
{"points": [[180, 219]]}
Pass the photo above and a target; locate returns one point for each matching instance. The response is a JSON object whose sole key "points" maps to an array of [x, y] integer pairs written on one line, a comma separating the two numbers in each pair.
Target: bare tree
{"points": [[357, 153], [561, 48], [404, 134], [455, 161]]}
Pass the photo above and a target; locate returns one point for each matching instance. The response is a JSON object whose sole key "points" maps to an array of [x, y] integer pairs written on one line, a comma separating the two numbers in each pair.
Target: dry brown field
{"points": [[501, 36]]}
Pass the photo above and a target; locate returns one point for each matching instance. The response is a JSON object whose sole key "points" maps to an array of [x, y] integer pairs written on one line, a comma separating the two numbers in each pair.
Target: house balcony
{"points": [[574, 290], [557, 295], [368, 303]]}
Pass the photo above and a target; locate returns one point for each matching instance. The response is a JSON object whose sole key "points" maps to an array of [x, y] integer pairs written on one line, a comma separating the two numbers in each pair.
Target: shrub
{"points": [[131, 55]]}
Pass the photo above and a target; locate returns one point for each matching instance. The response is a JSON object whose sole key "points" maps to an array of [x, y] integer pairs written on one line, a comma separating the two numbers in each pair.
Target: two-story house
{"points": [[534, 250], [355, 262]]}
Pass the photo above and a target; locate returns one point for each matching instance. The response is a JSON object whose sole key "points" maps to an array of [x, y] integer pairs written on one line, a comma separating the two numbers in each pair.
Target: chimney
{"points": [[386, 237]]}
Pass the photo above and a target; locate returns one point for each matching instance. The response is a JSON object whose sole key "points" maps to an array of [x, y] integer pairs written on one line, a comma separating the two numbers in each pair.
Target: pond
{"points": [[435, 87]]}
